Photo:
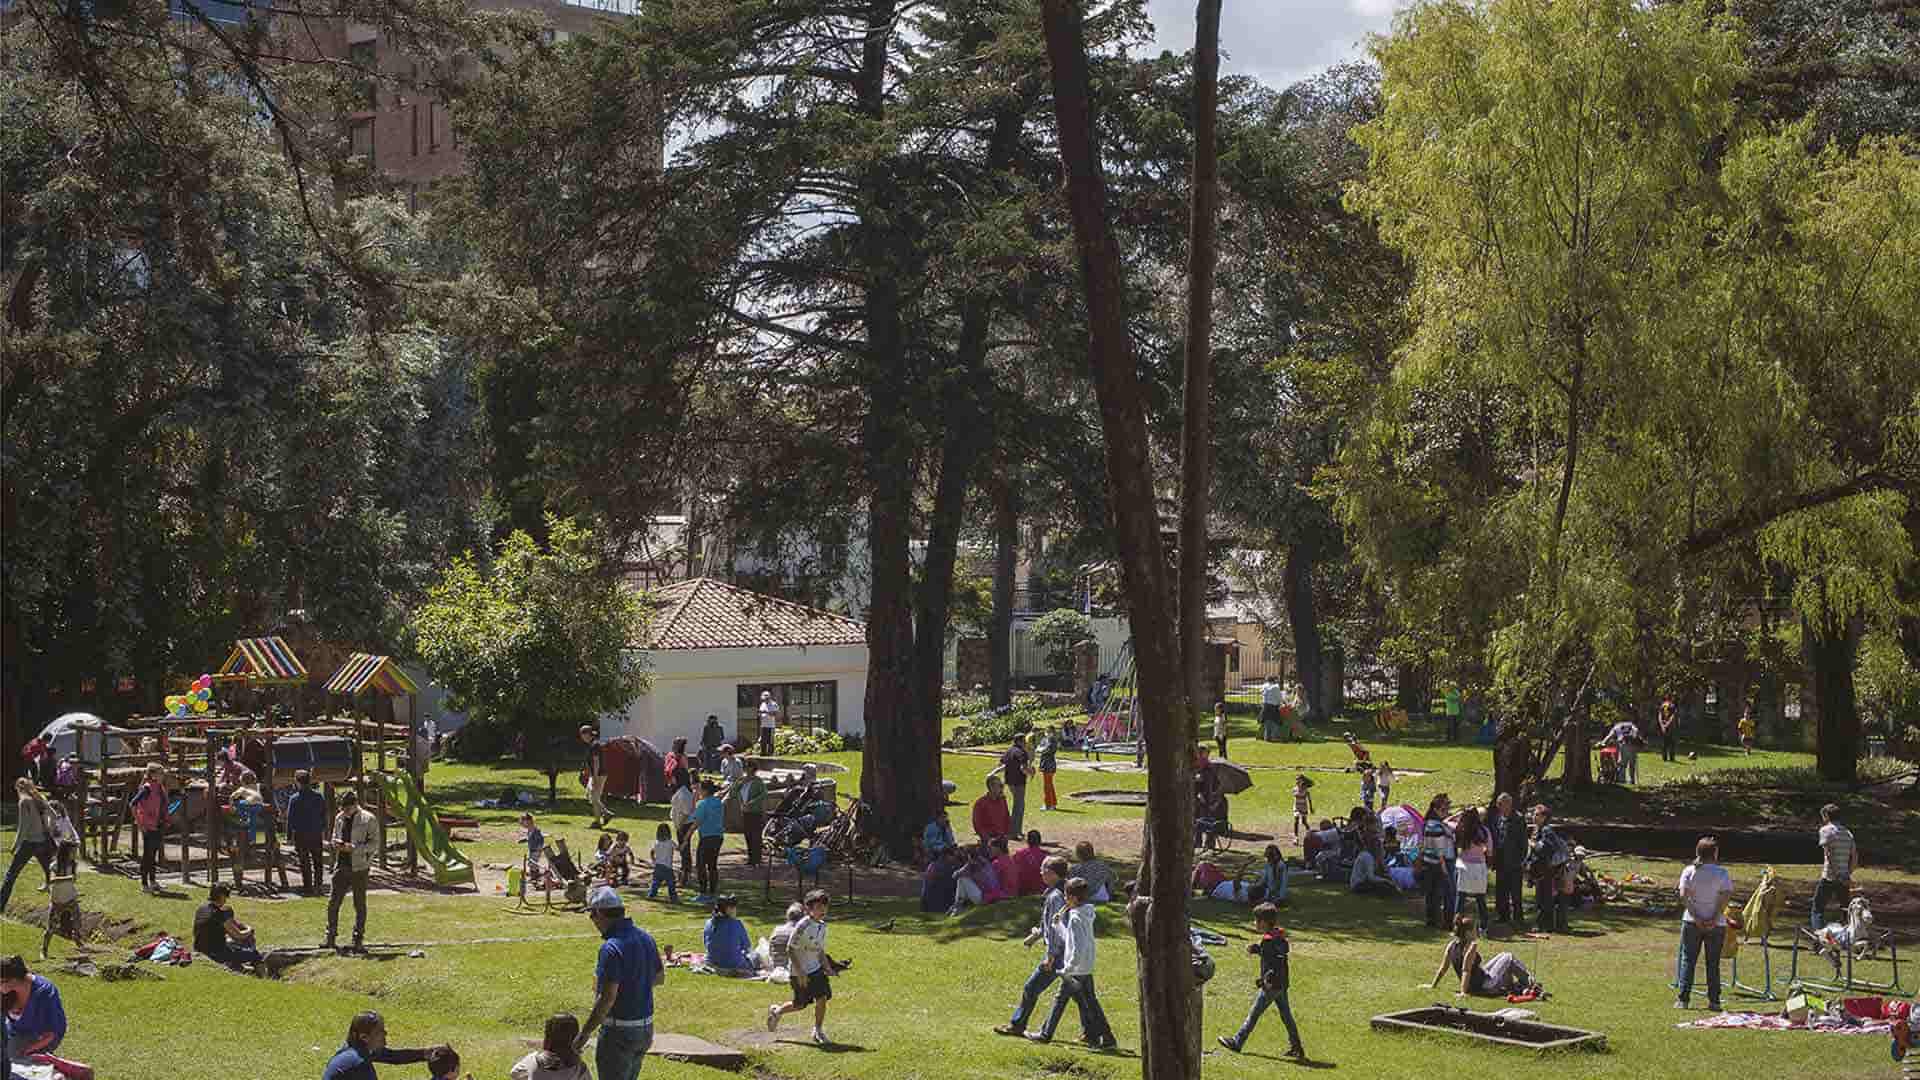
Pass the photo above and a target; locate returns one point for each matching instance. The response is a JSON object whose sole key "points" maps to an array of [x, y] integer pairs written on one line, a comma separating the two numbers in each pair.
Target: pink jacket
{"points": [[150, 806]]}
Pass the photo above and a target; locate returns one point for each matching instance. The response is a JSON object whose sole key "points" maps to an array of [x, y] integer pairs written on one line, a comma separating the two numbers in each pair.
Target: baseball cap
{"points": [[603, 898]]}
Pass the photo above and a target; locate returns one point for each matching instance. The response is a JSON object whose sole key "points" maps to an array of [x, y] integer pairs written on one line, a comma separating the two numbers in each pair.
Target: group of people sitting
{"points": [[957, 877]]}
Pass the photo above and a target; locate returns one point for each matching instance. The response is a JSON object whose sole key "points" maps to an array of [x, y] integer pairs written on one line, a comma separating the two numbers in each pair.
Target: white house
{"points": [[714, 647]]}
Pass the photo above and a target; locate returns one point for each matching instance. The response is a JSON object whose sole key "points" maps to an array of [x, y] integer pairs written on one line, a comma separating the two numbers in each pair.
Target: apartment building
{"points": [[406, 131]]}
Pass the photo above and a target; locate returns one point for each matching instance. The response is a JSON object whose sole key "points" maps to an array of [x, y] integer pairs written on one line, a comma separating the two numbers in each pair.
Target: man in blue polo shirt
{"points": [[628, 970]]}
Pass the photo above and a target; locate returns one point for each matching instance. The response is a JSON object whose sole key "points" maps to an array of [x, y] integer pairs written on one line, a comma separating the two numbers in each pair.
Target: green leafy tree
{"points": [[539, 638], [1058, 632]]}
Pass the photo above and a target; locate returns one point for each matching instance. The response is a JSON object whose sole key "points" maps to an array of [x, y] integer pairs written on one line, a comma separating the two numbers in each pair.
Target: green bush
{"points": [[1024, 717], [801, 742], [1058, 631], [964, 703]]}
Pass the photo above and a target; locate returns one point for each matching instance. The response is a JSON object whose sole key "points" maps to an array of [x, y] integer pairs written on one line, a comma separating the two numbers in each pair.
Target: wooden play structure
{"points": [[238, 830]]}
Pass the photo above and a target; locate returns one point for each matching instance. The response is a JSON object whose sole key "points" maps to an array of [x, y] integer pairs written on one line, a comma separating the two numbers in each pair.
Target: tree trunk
{"points": [[1006, 533], [1833, 647], [1196, 432], [900, 774], [1158, 913], [1297, 584], [966, 428], [1410, 688]]}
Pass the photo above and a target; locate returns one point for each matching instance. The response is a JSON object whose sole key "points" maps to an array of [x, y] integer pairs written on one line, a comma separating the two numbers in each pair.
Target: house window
{"points": [[362, 144], [436, 126], [809, 705], [365, 56], [1233, 659], [413, 122]]}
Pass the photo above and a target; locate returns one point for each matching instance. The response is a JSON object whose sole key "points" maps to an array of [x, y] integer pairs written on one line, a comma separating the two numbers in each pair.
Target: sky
{"points": [[1278, 42]]}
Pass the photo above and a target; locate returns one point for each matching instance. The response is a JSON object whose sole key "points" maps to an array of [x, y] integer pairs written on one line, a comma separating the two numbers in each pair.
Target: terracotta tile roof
{"points": [[707, 614]]}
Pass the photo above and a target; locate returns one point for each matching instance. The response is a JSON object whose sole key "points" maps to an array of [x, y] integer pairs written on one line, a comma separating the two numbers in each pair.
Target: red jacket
{"points": [[991, 817]]}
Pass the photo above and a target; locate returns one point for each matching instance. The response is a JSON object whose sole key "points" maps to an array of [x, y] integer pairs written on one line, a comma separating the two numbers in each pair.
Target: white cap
{"points": [[603, 898]]}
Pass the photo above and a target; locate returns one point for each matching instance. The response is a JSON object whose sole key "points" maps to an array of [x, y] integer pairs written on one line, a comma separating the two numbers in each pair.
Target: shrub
{"points": [[801, 742], [1058, 631]]}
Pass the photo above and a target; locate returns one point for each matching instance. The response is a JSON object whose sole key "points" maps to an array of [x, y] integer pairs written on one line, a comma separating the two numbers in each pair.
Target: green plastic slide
{"points": [[404, 800]]}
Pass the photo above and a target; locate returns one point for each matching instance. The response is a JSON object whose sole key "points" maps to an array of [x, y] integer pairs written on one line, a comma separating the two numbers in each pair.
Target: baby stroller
{"points": [[1607, 765], [801, 811]]}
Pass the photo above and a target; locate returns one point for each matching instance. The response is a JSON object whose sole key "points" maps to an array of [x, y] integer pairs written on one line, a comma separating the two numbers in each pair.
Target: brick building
{"points": [[406, 131]]}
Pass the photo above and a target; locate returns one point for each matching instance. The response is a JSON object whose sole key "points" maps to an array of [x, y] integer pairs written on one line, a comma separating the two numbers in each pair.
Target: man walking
{"points": [[355, 837], [1704, 889], [1625, 737], [1016, 766], [753, 810], [769, 719], [1838, 858], [1509, 861], [307, 823], [1669, 724], [1270, 697], [596, 775], [624, 977]]}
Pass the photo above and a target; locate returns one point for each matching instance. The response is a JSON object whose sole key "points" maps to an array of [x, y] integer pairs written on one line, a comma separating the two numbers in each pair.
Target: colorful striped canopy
{"points": [[262, 661], [364, 671]]}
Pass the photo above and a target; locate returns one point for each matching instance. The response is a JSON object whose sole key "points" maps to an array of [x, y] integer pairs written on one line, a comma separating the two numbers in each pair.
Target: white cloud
{"points": [[1278, 42]]}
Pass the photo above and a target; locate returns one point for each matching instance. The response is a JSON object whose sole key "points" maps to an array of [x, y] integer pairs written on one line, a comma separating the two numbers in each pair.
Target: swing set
{"points": [[1113, 724]]}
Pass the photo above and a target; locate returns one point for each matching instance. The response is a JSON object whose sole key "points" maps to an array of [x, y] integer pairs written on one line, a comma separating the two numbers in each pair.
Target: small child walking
{"points": [[664, 849], [1271, 987], [810, 968], [1302, 803], [1076, 972], [1384, 774], [620, 857], [1369, 787]]}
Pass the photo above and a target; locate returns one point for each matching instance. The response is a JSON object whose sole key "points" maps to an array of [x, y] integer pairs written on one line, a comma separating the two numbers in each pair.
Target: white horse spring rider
{"points": [[1856, 935]]}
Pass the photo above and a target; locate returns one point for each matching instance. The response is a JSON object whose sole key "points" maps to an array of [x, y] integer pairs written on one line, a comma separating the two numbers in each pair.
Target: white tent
{"points": [[84, 734]]}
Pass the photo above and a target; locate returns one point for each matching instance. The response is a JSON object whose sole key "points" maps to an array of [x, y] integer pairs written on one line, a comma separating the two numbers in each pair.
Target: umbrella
{"points": [[1402, 819], [1230, 778]]}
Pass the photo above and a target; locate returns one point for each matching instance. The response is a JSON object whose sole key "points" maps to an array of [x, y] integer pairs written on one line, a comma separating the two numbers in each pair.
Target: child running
{"points": [[1271, 988], [1384, 774], [1302, 803], [1369, 786], [1076, 972], [810, 968]]}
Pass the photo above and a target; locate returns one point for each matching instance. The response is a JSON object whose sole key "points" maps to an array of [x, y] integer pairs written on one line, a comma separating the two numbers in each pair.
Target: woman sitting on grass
{"points": [[729, 949], [1498, 977], [556, 1059]]}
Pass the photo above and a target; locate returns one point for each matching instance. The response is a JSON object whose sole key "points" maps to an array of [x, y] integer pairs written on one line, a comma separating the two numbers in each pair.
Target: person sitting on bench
{"points": [[218, 936]]}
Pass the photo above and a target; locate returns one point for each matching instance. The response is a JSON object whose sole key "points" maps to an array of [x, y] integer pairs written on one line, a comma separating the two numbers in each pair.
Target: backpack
{"points": [[1203, 965]]}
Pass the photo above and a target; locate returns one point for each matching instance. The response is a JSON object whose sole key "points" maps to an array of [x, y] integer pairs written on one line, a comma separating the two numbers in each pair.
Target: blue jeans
{"points": [[663, 875], [1261, 999], [1037, 984], [1093, 1019], [620, 1052], [1437, 886], [1823, 892], [1692, 936], [22, 854]]}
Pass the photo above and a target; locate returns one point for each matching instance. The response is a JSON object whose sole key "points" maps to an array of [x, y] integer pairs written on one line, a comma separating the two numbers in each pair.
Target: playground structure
{"points": [[1114, 719], [236, 833]]}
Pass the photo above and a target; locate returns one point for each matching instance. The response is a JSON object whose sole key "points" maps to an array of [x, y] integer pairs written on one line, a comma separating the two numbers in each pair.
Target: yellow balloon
{"points": [[199, 706]]}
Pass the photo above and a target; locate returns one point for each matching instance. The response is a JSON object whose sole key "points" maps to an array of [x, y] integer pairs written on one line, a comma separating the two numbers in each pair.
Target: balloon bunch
{"points": [[195, 701]]}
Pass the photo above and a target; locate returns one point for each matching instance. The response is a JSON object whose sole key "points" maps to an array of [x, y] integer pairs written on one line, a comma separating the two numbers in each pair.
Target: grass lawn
{"points": [[923, 995]]}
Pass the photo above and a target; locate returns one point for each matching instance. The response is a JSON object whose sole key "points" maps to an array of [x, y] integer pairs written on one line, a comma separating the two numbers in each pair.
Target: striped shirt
{"points": [[1836, 848]]}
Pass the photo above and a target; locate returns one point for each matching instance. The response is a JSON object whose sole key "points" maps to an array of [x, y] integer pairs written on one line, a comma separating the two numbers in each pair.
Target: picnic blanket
{"points": [[1764, 1022]]}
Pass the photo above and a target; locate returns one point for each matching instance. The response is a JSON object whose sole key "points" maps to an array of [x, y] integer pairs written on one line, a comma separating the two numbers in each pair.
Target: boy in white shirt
{"points": [[810, 969], [1076, 972]]}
